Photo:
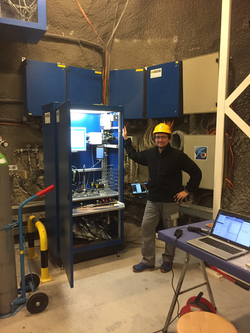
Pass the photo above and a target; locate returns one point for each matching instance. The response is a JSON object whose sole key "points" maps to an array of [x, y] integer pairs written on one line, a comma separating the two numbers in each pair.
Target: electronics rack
{"points": [[84, 216]]}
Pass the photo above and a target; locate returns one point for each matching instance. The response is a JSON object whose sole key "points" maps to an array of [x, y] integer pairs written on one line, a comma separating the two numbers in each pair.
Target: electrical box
{"points": [[127, 90], [200, 84], [164, 90], [43, 82], [23, 20], [83, 158], [84, 85], [201, 149]]}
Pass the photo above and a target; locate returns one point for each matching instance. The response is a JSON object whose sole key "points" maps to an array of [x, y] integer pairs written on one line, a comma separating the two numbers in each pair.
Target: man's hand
{"points": [[180, 196], [124, 133]]}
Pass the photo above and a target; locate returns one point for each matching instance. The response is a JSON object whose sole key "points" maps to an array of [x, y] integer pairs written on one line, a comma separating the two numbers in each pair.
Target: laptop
{"points": [[229, 237], [139, 189]]}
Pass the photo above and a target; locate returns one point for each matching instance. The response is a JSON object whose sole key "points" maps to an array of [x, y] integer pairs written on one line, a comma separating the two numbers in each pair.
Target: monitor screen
{"points": [[78, 138], [99, 153]]}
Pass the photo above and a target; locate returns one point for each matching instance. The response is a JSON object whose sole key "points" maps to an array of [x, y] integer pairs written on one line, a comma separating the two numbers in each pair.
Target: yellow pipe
{"points": [[45, 276], [42, 235], [32, 223], [31, 229]]}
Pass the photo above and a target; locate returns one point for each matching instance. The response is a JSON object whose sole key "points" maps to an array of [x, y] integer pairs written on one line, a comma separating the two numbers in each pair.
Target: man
{"points": [[165, 192]]}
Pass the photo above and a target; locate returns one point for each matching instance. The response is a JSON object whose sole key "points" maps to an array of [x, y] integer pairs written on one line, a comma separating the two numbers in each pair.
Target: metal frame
{"points": [[224, 103], [179, 292]]}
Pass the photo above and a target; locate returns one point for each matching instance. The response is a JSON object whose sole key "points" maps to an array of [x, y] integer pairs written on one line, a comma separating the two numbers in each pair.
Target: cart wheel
{"points": [[37, 303], [28, 280]]}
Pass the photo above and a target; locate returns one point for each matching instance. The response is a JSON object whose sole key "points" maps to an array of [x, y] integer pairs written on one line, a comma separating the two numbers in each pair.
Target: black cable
{"points": [[38, 173]]}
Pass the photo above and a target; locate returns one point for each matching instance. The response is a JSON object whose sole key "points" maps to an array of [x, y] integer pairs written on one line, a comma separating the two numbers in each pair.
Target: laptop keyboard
{"points": [[219, 245]]}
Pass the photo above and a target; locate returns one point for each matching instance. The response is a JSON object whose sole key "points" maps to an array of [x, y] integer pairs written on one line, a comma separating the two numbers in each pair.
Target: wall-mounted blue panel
{"points": [[45, 82], [164, 90], [127, 90], [23, 26], [84, 85]]}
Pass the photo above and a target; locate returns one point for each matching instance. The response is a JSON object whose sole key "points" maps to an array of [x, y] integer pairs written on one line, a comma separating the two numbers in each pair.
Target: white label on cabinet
{"points": [[47, 118], [57, 116], [155, 73]]}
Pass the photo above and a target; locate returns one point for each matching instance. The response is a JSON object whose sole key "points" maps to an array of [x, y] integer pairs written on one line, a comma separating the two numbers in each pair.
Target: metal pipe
{"points": [[11, 121], [72, 40], [10, 101]]}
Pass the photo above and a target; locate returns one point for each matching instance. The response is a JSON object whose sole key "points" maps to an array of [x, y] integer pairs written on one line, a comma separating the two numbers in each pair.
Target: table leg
{"points": [[177, 292], [209, 290]]}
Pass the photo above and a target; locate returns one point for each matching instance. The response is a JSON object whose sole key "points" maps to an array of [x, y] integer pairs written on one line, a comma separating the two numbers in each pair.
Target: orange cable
{"points": [[90, 23], [210, 119], [231, 162], [105, 78], [106, 56]]}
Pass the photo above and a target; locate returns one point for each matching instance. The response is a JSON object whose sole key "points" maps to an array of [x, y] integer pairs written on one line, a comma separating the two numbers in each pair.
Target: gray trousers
{"points": [[168, 211]]}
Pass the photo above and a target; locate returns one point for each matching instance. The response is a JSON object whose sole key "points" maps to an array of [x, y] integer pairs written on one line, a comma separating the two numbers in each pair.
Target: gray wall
{"points": [[150, 32]]}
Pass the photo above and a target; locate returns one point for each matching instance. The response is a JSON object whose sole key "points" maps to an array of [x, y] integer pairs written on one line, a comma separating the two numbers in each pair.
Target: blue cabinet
{"points": [[24, 22], [164, 90], [127, 90], [88, 181], [44, 82], [84, 85]]}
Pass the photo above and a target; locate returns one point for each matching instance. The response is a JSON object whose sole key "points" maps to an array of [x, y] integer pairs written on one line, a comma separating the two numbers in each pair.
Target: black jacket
{"points": [[165, 171]]}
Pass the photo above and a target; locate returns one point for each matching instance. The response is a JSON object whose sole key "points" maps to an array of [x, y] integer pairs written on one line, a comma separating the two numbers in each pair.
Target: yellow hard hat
{"points": [[162, 128]]}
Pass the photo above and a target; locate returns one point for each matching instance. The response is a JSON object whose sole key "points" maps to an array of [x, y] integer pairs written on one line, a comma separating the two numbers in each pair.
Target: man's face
{"points": [[161, 140]]}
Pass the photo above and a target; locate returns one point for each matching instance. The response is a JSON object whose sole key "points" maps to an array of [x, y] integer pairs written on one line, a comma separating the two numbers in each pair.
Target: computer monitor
{"points": [[78, 139], [99, 153]]}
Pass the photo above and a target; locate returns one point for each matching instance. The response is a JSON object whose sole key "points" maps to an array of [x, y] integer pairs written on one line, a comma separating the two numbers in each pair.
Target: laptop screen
{"points": [[139, 188], [232, 227]]}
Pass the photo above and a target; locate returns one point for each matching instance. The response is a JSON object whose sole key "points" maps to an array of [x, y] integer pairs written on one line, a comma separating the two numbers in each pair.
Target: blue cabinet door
{"points": [[52, 222], [45, 82], [164, 90], [65, 194], [127, 90], [84, 86]]}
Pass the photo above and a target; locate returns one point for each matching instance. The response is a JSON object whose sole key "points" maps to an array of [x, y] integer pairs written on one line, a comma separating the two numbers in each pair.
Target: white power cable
{"points": [[22, 10], [175, 143], [117, 23], [148, 140]]}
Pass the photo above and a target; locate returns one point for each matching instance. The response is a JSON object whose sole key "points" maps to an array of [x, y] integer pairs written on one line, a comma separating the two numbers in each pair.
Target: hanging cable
{"points": [[105, 46], [113, 32], [90, 24], [105, 79], [148, 140], [106, 55], [177, 140]]}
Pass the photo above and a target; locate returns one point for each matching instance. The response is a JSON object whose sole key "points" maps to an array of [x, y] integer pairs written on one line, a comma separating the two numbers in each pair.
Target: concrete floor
{"points": [[109, 297]]}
